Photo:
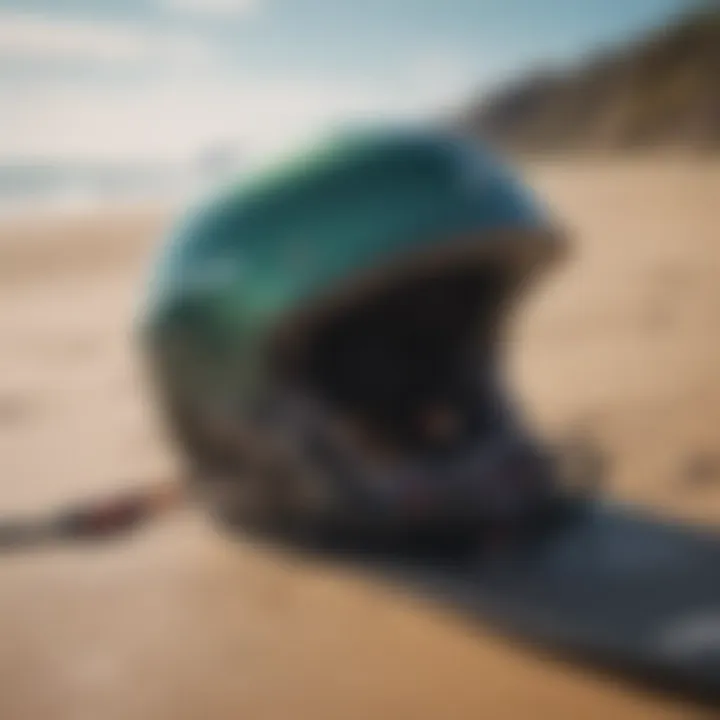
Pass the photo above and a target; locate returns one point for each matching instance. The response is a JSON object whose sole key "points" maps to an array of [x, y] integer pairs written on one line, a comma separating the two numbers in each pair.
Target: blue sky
{"points": [[164, 79]]}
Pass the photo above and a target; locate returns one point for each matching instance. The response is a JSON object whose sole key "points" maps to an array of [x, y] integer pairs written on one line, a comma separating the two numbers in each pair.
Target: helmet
{"points": [[324, 338]]}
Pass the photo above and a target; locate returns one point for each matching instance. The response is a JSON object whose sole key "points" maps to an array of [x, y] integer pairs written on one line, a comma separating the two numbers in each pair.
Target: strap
{"points": [[93, 520]]}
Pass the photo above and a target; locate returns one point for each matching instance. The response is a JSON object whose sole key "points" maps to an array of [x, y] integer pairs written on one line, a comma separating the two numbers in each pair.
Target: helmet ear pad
{"points": [[257, 470]]}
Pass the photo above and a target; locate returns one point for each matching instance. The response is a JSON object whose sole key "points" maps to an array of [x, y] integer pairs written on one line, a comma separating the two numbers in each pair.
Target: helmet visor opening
{"points": [[414, 365]]}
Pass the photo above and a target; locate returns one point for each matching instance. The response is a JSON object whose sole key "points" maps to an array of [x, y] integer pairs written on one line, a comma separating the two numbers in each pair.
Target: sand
{"points": [[180, 622]]}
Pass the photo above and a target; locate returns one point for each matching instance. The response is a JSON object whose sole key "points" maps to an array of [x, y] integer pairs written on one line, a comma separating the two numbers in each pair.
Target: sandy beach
{"points": [[179, 622]]}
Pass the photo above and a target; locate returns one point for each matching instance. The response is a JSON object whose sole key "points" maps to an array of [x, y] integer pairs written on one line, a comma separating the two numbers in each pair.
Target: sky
{"points": [[166, 80]]}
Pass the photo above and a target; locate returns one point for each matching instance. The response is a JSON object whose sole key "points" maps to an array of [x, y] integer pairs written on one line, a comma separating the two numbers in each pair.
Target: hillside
{"points": [[662, 90]]}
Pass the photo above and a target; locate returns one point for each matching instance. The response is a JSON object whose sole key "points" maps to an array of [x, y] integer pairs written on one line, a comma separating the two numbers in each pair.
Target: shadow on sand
{"points": [[603, 585], [607, 587]]}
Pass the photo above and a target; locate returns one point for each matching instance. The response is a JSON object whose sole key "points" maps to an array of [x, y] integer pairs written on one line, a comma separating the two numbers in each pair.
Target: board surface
{"points": [[612, 586]]}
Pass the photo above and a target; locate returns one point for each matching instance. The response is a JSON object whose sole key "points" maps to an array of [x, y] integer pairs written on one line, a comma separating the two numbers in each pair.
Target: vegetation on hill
{"points": [[662, 90]]}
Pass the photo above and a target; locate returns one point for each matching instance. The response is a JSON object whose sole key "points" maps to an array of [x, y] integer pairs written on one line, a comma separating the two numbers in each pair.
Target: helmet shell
{"points": [[242, 264]]}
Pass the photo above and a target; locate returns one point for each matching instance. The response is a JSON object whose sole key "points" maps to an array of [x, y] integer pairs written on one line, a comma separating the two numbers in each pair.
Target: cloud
{"points": [[35, 36], [213, 7], [173, 117], [176, 114], [186, 99]]}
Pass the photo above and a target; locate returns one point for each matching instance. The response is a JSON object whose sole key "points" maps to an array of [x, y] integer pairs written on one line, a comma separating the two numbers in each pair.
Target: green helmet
{"points": [[265, 294]]}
